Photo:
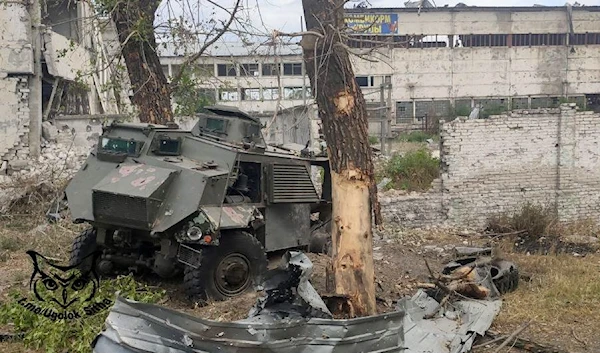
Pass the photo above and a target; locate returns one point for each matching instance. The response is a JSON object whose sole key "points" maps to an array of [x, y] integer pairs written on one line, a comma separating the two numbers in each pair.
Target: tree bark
{"points": [[342, 110], [134, 20]]}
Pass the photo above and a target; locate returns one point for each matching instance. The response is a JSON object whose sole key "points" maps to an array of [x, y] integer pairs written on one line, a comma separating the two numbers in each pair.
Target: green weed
{"points": [[74, 336], [415, 171]]}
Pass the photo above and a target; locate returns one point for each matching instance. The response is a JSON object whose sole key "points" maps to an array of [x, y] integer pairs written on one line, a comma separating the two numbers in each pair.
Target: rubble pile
{"points": [[57, 162]]}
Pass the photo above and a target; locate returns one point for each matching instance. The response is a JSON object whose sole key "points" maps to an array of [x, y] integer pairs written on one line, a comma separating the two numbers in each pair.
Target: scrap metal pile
{"points": [[447, 316]]}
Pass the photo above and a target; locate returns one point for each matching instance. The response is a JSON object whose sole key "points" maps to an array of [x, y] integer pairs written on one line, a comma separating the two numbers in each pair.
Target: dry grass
{"points": [[535, 220], [405, 146], [14, 347], [17, 236], [562, 296]]}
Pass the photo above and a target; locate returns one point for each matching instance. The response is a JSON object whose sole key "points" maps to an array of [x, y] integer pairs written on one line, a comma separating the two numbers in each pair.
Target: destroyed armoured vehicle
{"points": [[210, 202]]}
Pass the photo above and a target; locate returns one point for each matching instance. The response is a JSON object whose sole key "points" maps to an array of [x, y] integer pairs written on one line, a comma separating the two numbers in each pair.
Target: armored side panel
{"points": [[287, 226]]}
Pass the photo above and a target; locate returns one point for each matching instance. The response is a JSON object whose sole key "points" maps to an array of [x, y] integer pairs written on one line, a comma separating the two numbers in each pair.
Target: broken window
{"points": [[270, 93], [250, 94], [292, 69], [520, 103], [270, 69], [374, 41], [61, 17], [404, 112], [362, 81], [584, 39], [165, 69], [226, 70], [541, 102], [531, 39], [175, 69], [229, 95], [308, 93], [292, 93], [249, 70], [205, 70], [482, 40]]}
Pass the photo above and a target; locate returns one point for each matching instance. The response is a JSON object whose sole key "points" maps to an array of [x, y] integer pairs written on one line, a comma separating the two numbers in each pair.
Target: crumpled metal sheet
{"points": [[136, 327], [451, 331], [291, 318], [289, 292]]}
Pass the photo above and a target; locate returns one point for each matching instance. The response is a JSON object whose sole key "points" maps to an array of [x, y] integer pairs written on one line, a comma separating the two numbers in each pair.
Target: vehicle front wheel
{"points": [[227, 270], [83, 245]]}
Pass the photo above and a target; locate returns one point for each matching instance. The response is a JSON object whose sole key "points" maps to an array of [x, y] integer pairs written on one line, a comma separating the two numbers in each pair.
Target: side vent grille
{"points": [[292, 183]]}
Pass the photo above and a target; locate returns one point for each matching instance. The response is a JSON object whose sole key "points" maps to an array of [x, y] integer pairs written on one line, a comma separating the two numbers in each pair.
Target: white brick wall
{"points": [[14, 118], [550, 157]]}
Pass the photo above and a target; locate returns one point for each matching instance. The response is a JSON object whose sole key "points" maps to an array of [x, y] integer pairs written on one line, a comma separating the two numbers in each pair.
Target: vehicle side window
{"points": [[167, 146], [216, 125], [117, 145]]}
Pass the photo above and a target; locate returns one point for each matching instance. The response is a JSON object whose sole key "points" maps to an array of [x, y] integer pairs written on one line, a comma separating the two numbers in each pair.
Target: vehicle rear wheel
{"points": [[83, 245], [227, 270]]}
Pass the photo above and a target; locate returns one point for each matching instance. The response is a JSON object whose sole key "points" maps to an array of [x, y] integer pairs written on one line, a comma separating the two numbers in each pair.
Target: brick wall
{"points": [[547, 156], [14, 119]]}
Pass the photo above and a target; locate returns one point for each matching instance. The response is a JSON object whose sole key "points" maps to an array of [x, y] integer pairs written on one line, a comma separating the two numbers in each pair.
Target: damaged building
{"points": [[440, 61], [46, 54]]}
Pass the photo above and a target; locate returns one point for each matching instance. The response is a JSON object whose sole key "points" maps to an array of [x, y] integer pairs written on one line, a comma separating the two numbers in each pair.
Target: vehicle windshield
{"points": [[117, 145], [215, 125]]}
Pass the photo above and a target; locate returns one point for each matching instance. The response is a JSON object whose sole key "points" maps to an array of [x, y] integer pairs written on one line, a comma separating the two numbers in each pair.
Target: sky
{"points": [[285, 14]]}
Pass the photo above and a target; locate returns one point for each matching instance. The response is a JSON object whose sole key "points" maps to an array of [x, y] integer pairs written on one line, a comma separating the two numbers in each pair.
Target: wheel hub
{"points": [[233, 274]]}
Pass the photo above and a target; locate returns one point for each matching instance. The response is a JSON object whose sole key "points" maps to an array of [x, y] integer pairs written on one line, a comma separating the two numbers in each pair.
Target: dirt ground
{"points": [[559, 294]]}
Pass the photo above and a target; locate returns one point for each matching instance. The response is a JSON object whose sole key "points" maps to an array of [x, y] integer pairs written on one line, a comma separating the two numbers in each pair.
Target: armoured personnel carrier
{"points": [[210, 202]]}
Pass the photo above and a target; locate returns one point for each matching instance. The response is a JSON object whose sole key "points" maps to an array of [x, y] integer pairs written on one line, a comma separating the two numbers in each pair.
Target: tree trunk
{"points": [[134, 20], [342, 110]]}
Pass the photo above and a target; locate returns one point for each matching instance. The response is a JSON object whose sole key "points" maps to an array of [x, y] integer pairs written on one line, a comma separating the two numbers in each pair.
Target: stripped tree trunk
{"points": [[134, 20], [342, 110]]}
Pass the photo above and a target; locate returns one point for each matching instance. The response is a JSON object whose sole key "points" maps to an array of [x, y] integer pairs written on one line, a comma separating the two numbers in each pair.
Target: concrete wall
{"points": [[454, 73], [16, 55], [291, 125], [492, 20], [547, 157]]}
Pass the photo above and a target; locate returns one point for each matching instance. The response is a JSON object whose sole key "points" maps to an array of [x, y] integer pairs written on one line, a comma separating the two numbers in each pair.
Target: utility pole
{"points": [[35, 81]]}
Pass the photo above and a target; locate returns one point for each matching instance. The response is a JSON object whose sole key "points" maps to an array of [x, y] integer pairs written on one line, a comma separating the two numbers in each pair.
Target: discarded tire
{"points": [[505, 276]]}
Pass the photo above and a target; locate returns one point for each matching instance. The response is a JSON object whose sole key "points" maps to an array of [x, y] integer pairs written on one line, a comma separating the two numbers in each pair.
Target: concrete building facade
{"points": [[440, 62], [52, 62]]}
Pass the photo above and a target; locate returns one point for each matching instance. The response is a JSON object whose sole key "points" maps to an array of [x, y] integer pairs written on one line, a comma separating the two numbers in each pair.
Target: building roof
{"points": [[228, 49]]}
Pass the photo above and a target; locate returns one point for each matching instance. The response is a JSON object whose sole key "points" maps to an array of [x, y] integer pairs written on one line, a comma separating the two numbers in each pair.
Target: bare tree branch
{"points": [[212, 41]]}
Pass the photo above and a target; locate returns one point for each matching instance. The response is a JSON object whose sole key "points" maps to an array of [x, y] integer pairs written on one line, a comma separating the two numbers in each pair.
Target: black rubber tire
{"points": [[505, 276], [83, 245], [201, 283]]}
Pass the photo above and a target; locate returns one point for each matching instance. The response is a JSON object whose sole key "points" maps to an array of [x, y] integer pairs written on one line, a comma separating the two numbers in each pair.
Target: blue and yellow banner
{"points": [[370, 23]]}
